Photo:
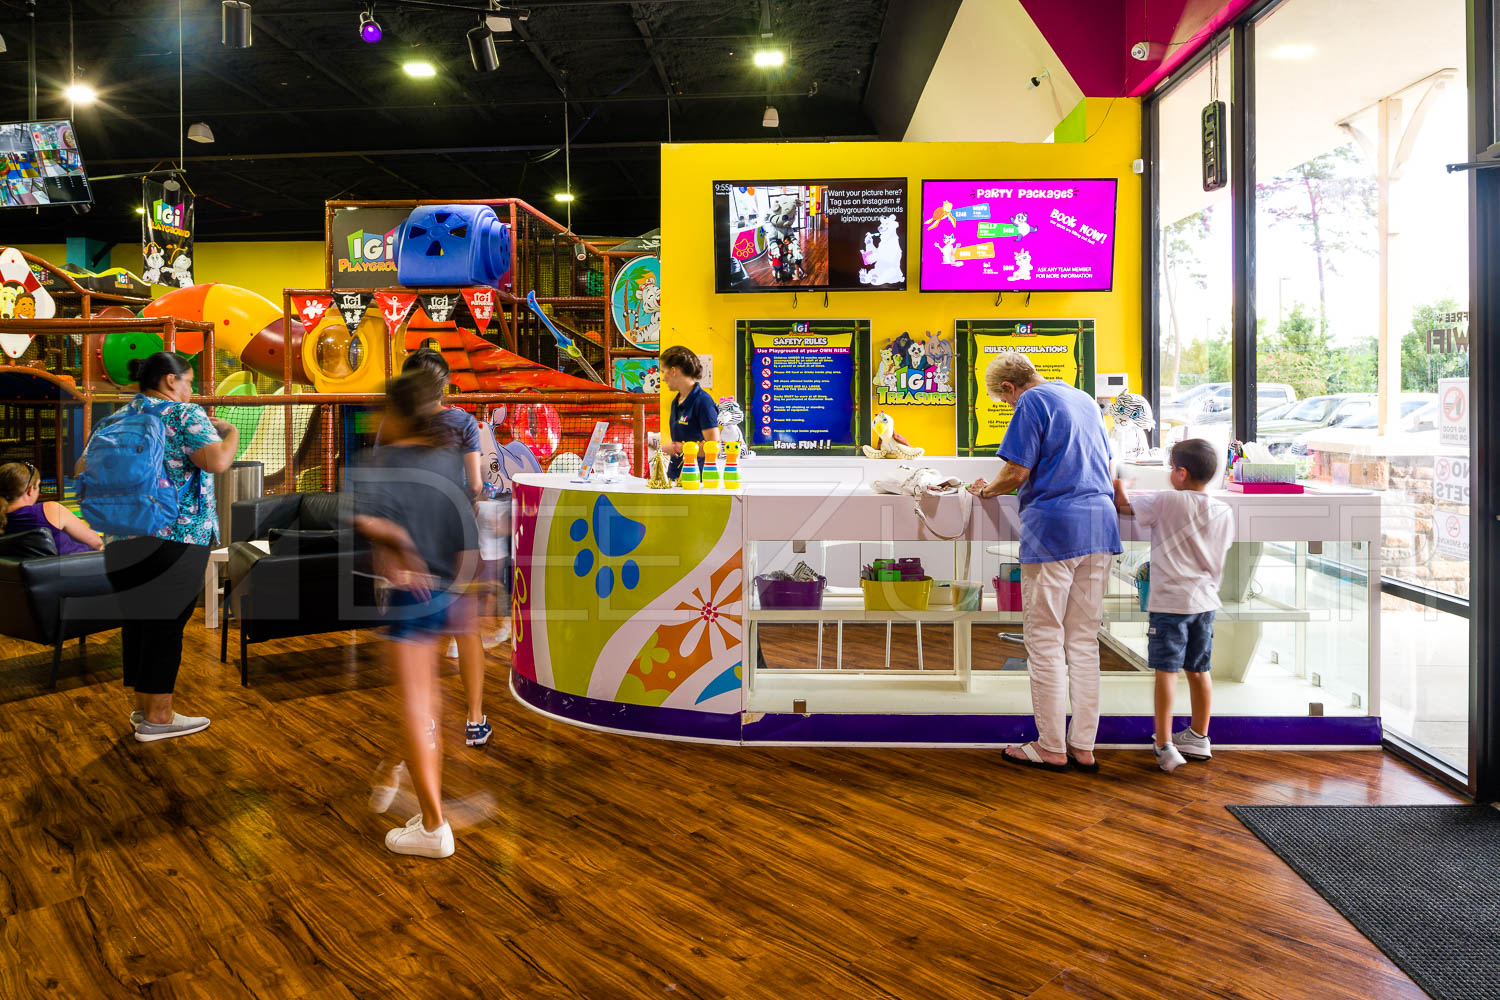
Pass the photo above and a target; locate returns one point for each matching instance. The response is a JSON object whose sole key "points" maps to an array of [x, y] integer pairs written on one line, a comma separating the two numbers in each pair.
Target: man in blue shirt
{"points": [[1057, 456]]}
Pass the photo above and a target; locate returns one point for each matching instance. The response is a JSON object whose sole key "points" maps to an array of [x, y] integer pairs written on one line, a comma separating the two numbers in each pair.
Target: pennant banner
{"points": [[481, 303], [439, 308], [352, 306], [310, 308], [167, 234], [394, 306]]}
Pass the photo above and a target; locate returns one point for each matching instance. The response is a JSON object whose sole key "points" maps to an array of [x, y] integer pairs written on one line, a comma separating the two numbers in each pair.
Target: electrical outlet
{"points": [[1317, 680]]}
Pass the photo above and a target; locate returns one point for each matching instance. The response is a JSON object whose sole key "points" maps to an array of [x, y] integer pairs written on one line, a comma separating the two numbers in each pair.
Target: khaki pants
{"points": [[1062, 609]]}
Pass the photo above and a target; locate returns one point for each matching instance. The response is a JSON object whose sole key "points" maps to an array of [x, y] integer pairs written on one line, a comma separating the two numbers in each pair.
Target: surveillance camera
{"points": [[1036, 81], [580, 252], [1143, 51]]}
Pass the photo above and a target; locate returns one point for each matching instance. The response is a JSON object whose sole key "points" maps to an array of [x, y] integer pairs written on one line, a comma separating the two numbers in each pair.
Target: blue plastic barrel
{"points": [[452, 245]]}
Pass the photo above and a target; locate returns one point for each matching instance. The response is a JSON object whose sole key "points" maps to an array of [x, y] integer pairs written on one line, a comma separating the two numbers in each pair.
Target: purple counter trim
{"points": [[643, 719], [1229, 730]]}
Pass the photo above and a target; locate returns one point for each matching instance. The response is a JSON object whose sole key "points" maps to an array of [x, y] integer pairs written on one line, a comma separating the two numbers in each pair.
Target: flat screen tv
{"points": [[40, 165], [1018, 235], [825, 235]]}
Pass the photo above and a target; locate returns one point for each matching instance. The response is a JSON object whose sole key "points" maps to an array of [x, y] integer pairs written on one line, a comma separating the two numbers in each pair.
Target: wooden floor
{"points": [[243, 861]]}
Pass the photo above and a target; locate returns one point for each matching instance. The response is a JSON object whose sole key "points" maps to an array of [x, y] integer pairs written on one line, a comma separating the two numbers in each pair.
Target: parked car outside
{"points": [[1218, 406]]}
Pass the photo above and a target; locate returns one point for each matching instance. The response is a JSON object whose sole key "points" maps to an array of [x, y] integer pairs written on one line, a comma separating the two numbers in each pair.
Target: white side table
{"points": [[217, 559]]}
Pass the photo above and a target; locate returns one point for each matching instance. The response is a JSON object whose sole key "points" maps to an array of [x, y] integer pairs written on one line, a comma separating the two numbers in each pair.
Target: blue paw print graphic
{"points": [[616, 535]]}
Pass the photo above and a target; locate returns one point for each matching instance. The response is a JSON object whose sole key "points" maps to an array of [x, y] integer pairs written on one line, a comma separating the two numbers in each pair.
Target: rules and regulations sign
{"points": [[1450, 480], [1061, 349], [1453, 411], [1451, 535]]}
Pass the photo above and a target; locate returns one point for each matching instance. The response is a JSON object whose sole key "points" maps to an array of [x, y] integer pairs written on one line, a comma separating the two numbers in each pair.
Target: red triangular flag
{"points": [[481, 306], [310, 308], [394, 306]]}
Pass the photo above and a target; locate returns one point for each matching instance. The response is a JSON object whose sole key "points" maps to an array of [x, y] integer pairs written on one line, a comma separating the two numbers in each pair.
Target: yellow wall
{"points": [[693, 315], [266, 268]]}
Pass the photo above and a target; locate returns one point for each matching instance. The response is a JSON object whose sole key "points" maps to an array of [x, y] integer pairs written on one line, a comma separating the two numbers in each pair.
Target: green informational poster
{"points": [[1061, 349], [805, 384]]}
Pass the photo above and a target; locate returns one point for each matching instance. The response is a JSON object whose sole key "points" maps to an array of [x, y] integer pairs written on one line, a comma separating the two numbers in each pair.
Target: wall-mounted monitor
{"points": [[821, 235], [1018, 235], [40, 165]]}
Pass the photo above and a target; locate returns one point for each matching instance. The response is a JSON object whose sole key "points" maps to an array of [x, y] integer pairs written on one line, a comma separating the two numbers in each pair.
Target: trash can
{"points": [[242, 481]]}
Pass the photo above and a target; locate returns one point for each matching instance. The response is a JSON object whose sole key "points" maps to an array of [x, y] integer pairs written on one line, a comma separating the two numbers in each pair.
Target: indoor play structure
{"points": [[301, 379]]}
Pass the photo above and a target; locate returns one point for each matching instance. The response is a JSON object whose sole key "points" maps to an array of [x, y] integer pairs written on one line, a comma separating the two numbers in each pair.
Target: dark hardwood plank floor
{"points": [[243, 862]]}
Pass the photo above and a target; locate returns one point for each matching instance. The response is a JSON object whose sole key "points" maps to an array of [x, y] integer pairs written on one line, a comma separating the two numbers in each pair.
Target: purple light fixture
{"points": [[369, 28]]}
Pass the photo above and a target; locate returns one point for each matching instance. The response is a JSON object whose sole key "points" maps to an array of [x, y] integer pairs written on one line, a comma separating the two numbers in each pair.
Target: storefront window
{"points": [[1361, 246], [1195, 280]]}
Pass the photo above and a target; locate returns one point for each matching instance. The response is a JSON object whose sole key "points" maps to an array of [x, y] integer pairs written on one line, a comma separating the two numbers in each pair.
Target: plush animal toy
{"points": [[1133, 420], [889, 444], [731, 417]]}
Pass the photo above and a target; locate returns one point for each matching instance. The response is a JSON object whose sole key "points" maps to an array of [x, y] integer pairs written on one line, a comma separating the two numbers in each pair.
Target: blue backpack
{"points": [[124, 487]]}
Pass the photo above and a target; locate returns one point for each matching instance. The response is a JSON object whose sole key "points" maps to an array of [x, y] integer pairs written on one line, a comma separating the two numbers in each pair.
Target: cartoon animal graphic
{"points": [[651, 381], [943, 211], [182, 270], [501, 463], [940, 355], [1133, 420], [1023, 266], [648, 296], [887, 373], [915, 353], [1022, 227], [948, 248], [155, 262], [889, 444], [731, 421], [886, 266]]}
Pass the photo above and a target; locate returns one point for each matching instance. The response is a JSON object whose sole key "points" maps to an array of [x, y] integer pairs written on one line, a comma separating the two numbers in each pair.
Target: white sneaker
{"points": [[1191, 745], [181, 725], [382, 796], [417, 840], [498, 637], [452, 652], [1167, 757]]}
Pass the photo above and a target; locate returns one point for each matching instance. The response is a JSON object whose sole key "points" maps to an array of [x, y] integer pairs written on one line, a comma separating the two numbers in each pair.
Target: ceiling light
{"points": [[770, 119], [80, 93], [1294, 52], [139, 210], [369, 28], [421, 69], [770, 58], [235, 24], [482, 49], [200, 132], [563, 196]]}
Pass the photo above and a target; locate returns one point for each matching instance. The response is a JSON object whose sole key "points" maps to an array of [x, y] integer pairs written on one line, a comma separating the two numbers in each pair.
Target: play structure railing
{"points": [[61, 372]]}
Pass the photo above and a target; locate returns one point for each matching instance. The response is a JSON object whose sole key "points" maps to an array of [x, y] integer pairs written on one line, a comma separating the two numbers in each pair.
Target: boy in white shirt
{"points": [[1190, 537]]}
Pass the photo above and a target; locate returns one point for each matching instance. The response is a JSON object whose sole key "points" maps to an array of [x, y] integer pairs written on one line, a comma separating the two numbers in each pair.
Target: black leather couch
{"points": [[47, 598], [315, 579]]}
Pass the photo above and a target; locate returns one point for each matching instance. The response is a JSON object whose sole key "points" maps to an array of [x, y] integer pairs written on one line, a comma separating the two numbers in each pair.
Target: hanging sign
{"points": [[394, 306], [915, 371], [311, 308], [166, 234], [481, 302], [1061, 349], [352, 306], [439, 307]]}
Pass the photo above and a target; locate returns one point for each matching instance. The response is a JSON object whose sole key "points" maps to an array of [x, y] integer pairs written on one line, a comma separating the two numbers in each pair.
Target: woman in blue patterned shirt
{"points": [[158, 577]]}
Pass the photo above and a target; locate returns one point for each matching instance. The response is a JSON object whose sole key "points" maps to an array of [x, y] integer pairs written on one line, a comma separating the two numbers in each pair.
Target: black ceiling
{"points": [[310, 112]]}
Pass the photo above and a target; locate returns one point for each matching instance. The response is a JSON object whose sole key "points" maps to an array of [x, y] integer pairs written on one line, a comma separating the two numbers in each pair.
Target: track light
{"points": [[770, 119], [200, 132], [482, 49], [770, 58], [80, 93], [369, 28], [563, 196], [421, 69], [235, 24]]}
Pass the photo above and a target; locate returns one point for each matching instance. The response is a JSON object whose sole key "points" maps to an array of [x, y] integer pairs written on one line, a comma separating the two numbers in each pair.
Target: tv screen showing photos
{"points": [[1018, 235], [40, 165], [825, 235]]}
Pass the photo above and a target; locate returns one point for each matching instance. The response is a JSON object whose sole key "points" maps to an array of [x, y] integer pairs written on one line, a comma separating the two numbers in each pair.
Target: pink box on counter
{"points": [[1265, 488], [1007, 595]]}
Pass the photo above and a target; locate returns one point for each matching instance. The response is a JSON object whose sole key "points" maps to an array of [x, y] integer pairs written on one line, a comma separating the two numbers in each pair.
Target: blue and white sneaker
{"points": [[477, 734]]}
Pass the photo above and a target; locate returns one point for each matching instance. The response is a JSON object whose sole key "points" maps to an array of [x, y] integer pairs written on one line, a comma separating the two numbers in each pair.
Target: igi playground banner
{"points": [[1061, 349], [166, 234], [1018, 235]]}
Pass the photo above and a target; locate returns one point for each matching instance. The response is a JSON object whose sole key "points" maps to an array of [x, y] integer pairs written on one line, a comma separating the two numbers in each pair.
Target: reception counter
{"points": [[635, 612]]}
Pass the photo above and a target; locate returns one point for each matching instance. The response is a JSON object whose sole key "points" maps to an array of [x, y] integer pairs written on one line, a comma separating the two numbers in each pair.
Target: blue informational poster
{"points": [[806, 384]]}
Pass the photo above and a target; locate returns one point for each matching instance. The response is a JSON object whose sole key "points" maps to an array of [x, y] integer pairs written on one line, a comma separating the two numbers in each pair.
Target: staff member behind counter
{"points": [[1056, 454], [695, 415]]}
